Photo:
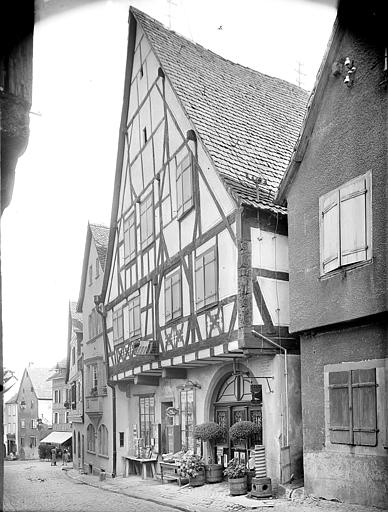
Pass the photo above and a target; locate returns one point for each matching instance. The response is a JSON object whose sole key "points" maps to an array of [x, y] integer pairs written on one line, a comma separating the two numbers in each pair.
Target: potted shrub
{"points": [[210, 433], [243, 431], [193, 467], [237, 477]]}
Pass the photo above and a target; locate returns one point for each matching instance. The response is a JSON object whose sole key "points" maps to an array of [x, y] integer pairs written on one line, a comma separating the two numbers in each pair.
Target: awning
{"points": [[57, 437]]}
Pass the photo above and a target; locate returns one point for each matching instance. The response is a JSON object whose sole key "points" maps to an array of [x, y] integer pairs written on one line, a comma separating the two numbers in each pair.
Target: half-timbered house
{"points": [[97, 451], [196, 286]]}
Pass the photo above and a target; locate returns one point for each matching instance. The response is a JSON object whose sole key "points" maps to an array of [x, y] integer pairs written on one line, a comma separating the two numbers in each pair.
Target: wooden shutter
{"points": [[167, 299], [340, 417], [210, 276], [176, 294], [329, 231], [199, 282], [364, 407], [126, 240], [353, 215]]}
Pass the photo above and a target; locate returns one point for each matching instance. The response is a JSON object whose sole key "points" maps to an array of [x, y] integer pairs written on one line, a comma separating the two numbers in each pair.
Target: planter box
{"points": [[238, 486]]}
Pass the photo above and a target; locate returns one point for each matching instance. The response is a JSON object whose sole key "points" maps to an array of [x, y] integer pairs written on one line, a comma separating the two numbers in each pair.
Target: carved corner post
{"points": [[244, 278]]}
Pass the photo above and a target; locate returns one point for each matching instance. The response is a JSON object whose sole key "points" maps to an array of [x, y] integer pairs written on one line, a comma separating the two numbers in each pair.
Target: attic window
{"points": [[145, 135]]}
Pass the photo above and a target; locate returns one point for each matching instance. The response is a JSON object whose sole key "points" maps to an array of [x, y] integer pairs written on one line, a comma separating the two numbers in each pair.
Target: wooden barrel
{"points": [[198, 480], [214, 473], [238, 486]]}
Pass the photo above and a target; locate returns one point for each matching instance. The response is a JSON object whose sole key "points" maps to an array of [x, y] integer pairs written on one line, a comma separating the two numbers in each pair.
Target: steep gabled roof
{"points": [[249, 122], [100, 234], [39, 381]]}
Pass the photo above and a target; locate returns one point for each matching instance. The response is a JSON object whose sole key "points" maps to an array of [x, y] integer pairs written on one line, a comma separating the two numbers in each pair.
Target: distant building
{"points": [[60, 397], [75, 378], [34, 410], [11, 425], [96, 454]]}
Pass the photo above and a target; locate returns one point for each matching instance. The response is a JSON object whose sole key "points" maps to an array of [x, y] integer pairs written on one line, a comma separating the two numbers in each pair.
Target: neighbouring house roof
{"points": [[39, 381], [100, 235], [57, 373], [248, 121], [13, 399], [76, 317]]}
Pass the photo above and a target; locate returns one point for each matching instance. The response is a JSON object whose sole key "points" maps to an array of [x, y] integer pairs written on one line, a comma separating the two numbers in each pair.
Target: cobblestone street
{"points": [[36, 486]]}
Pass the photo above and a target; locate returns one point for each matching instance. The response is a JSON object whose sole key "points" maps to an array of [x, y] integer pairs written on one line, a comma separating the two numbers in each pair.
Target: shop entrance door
{"points": [[234, 403]]}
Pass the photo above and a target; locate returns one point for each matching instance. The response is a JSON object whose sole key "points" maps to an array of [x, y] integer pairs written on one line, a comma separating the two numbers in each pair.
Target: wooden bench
{"points": [[137, 466]]}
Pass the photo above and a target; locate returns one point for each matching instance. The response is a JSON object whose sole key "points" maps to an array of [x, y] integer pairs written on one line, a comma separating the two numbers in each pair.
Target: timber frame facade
{"points": [[196, 284]]}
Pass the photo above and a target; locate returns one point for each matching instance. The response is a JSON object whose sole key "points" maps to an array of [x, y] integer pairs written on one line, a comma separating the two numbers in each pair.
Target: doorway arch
{"points": [[232, 400]]}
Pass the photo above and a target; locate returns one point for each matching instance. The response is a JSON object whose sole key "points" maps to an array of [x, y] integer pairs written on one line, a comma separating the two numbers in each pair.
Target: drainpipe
{"points": [[285, 377], [102, 311]]}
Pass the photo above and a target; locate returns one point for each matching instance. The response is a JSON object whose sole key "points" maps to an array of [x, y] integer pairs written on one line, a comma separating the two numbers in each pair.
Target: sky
{"points": [[65, 177]]}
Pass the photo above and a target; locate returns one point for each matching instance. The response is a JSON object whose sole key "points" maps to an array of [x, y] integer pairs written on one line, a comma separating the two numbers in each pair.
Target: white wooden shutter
{"points": [[329, 231], [353, 215]]}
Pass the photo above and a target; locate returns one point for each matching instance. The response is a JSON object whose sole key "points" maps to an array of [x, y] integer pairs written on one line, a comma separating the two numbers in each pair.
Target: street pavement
{"points": [[36, 486], [33, 486]]}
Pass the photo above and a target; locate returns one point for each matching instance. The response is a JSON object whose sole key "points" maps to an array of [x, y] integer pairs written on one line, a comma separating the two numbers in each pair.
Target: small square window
{"points": [[121, 439]]}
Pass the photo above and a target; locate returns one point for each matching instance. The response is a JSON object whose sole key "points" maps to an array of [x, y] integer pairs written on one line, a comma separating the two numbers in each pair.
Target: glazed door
{"points": [[167, 421]]}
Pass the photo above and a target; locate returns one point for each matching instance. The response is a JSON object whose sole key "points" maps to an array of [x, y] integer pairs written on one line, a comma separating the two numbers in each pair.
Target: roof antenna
{"points": [[170, 3]]}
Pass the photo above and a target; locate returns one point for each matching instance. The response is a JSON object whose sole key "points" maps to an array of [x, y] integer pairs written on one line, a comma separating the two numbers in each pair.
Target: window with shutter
{"points": [[146, 221], [206, 290], [134, 317], [173, 295], [353, 407], [184, 185], [345, 224], [118, 327], [129, 238]]}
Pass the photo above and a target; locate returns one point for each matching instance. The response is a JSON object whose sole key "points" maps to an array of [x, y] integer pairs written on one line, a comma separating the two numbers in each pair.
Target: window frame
{"points": [[149, 419], [129, 230], [336, 198], [147, 205], [103, 440], [381, 393], [213, 298], [184, 206], [118, 326], [169, 292], [133, 327], [91, 438], [186, 427]]}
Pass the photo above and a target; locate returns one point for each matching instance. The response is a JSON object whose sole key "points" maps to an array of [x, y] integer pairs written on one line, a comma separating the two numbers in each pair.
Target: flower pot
{"points": [[238, 486], [196, 481], [214, 473]]}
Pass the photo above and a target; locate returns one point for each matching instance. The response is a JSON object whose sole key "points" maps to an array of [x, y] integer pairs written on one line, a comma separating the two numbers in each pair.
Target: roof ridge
{"points": [[154, 20]]}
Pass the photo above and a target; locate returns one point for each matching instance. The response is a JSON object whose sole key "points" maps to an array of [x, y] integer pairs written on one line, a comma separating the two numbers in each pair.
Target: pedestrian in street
{"points": [[65, 457], [53, 456]]}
